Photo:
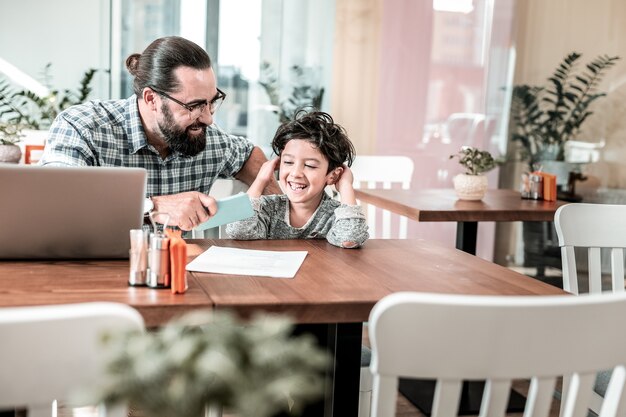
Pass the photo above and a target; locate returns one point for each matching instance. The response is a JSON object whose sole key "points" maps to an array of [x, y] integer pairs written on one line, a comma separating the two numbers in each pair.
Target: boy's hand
{"points": [[266, 173], [345, 180], [264, 177], [344, 186]]}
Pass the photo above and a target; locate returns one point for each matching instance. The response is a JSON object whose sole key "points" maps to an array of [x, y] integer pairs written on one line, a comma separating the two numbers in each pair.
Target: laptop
{"points": [[69, 212]]}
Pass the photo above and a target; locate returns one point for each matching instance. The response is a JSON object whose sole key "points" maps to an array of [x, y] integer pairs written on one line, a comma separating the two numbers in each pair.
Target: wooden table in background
{"points": [[442, 205], [332, 293]]}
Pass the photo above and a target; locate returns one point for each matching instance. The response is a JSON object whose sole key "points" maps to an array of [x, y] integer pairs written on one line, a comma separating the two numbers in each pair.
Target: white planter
{"points": [[470, 187], [10, 153]]}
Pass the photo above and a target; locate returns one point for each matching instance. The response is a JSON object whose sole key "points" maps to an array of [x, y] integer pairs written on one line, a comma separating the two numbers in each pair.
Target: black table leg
{"points": [[343, 342], [466, 234]]}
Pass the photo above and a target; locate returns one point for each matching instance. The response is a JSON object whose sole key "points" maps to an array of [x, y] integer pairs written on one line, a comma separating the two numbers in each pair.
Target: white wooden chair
{"points": [[47, 352], [464, 129], [594, 227], [370, 172], [379, 171], [452, 338], [221, 188]]}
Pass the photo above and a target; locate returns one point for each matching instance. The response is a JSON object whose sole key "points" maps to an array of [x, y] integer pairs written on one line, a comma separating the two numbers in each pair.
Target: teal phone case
{"points": [[229, 209]]}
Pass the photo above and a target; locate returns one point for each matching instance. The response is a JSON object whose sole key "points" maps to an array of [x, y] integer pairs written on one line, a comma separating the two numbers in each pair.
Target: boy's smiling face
{"points": [[303, 172]]}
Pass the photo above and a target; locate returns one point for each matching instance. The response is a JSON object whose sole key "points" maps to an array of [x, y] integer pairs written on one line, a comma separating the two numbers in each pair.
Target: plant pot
{"points": [[10, 153], [470, 187]]}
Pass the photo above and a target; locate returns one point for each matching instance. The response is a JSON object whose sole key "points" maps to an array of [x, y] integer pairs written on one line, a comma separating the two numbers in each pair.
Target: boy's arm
{"points": [[251, 170], [349, 228], [264, 178], [344, 186], [252, 228]]}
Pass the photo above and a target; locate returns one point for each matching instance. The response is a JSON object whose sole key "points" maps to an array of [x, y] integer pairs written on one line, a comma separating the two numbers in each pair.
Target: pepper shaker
{"points": [[159, 261]]}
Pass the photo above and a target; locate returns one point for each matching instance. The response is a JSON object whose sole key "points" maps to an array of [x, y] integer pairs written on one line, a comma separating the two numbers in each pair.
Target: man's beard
{"points": [[179, 139]]}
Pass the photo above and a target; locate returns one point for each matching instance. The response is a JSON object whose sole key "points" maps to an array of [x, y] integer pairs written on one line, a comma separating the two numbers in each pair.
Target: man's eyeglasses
{"points": [[196, 108]]}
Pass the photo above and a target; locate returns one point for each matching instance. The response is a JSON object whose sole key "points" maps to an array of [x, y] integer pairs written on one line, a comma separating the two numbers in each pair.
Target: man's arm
{"points": [[251, 168]]}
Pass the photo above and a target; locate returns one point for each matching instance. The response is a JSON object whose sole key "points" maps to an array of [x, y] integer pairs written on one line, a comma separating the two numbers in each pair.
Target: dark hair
{"points": [[156, 64], [319, 129]]}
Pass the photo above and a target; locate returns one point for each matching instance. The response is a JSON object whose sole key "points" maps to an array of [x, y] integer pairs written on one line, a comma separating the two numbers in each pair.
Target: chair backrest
{"points": [[452, 338], [48, 352], [381, 171], [221, 188], [464, 129], [595, 227]]}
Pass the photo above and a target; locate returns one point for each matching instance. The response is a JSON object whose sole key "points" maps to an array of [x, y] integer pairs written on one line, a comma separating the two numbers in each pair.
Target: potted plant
{"points": [[206, 359], [472, 185], [10, 135], [34, 111], [545, 118], [303, 94]]}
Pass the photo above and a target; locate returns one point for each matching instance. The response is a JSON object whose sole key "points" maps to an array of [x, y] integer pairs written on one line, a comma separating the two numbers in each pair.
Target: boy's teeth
{"points": [[296, 186]]}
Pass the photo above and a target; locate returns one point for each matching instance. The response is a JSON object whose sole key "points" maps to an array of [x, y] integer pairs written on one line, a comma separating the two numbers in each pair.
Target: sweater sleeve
{"points": [[349, 229], [252, 228]]}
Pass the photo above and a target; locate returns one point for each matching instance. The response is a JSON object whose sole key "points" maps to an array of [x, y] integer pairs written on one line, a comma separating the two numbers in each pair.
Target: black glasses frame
{"points": [[214, 104]]}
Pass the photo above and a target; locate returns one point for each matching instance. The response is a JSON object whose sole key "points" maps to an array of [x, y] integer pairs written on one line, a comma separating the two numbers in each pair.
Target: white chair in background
{"points": [[464, 129], [380, 171], [594, 227], [371, 172], [47, 352], [452, 338], [221, 188]]}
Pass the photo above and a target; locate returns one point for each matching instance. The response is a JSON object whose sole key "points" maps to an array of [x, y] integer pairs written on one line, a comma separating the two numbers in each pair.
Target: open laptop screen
{"points": [[69, 212]]}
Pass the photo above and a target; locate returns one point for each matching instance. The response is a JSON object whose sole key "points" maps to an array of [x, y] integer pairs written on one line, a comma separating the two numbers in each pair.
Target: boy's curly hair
{"points": [[319, 129]]}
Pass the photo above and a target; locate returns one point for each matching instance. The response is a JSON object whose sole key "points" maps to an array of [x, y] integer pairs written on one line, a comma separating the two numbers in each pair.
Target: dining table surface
{"points": [[333, 284], [443, 205], [332, 292]]}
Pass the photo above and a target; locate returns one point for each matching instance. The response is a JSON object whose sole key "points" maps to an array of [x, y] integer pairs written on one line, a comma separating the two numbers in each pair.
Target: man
{"points": [[166, 127]]}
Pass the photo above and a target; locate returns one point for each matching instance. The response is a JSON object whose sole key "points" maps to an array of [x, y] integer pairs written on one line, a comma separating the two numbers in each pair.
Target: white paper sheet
{"points": [[276, 264]]}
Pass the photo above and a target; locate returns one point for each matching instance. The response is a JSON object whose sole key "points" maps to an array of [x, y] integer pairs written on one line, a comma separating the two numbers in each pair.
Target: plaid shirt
{"points": [[110, 133]]}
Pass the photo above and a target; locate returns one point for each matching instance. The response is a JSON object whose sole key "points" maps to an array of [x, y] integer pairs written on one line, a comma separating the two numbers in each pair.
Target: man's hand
{"points": [[186, 210]]}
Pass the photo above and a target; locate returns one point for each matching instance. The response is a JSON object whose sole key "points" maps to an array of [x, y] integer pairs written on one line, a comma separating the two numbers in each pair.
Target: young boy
{"points": [[312, 153]]}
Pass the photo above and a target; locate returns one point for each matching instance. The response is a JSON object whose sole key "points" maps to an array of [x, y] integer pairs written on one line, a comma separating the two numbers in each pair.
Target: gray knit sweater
{"points": [[341, 224]]}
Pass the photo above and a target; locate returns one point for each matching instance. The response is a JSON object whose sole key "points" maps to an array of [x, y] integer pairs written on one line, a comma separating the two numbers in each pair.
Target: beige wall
{"points": [[356, 70], [546, 32]]}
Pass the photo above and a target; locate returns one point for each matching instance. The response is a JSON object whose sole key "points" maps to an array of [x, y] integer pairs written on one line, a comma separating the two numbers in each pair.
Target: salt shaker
{"points": [[138, 257], [525, 186], [536, 187], [159, 261], [158, 255]]}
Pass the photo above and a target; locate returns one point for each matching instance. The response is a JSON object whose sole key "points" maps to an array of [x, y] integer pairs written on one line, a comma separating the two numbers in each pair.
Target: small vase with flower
{"points": [[472, 185]]}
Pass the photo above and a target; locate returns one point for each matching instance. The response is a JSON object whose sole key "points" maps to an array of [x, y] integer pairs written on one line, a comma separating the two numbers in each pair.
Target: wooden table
{"points": [[442, 205], [332, 294]]}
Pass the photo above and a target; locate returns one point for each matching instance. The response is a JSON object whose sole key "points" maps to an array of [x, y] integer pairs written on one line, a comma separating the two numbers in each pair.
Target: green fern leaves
{"points": [[547, 117], [26, 108]]}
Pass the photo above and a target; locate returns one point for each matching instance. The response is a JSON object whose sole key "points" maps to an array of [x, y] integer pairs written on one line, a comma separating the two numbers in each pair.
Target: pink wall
{"points": [[431, 68], [404, 73]]}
